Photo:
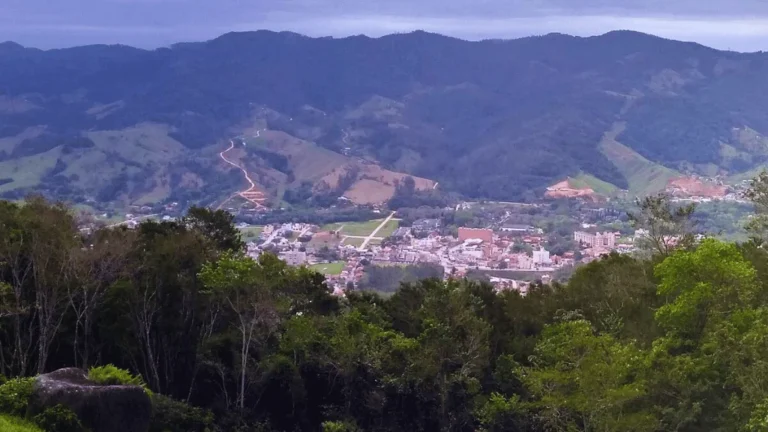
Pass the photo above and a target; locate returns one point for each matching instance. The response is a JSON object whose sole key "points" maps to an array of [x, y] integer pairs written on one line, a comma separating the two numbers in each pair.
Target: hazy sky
{"points": [[740, 25]]}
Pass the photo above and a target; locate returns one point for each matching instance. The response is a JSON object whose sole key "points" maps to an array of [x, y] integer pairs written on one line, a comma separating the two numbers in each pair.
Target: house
{"points": [[485, 235], [423, 227], [516, 228], [401, 233]]}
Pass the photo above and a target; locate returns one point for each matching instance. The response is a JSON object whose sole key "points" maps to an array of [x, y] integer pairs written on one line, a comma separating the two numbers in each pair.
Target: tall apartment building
{"points": [[605, 240]]}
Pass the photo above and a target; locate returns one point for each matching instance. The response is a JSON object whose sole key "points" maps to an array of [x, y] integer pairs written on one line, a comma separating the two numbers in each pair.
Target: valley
{"points": [[495, 121]]}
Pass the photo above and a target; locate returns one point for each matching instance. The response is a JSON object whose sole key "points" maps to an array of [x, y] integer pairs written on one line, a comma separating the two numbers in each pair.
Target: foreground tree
{"points": [[588, 382], [251, 292], [668, 227]]}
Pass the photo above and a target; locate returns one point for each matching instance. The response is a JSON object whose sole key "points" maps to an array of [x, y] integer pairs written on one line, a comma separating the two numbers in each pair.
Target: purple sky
{"points": [[740, 25]]}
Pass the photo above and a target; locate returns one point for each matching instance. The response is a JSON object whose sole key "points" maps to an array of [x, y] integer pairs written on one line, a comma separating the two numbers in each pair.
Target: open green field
{"points": [[13, 424], [388, 229], [363, 229], [356, 242], [354, 228], [328, 240], [251, 232], [333, 268]]}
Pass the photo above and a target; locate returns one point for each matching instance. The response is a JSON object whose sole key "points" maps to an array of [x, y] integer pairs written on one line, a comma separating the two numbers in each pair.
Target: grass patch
{"points": [[28, 171], [320, 240], [594, 183], [332, 268], [332, 227], [356, 242], [388, 229], [251, 232], [359, 228], [14, 424], [644, 177]]}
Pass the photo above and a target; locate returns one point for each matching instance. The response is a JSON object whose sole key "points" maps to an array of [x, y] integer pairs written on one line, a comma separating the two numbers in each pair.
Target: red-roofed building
{"points": [[485, 235]]}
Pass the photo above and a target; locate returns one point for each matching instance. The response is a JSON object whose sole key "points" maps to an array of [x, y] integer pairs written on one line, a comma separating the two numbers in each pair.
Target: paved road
{"points": [[373, 234], [271, 237]]}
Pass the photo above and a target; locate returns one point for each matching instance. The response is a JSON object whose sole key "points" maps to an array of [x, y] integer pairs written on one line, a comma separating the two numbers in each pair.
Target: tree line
{"points": [[672, 340]]}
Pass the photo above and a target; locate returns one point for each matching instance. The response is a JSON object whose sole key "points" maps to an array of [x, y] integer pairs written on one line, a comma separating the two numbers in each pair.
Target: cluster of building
{"points": [[503, 253]]}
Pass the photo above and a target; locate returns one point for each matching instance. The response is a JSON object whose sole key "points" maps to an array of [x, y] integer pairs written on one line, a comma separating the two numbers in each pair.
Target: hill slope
{"points": [[495, 119]]}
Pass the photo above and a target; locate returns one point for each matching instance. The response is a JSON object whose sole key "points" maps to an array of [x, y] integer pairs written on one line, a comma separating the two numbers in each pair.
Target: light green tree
{"points": [[582, 381]]}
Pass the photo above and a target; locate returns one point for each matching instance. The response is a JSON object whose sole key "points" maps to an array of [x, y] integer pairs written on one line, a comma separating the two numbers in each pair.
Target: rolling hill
{"points": [[490, 119]]}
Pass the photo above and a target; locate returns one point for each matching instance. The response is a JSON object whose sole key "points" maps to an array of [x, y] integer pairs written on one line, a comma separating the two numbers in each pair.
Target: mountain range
{"points": [[326, 117]]}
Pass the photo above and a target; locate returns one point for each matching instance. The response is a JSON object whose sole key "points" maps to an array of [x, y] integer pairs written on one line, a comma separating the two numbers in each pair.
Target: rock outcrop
{"points": [[114, 408]]}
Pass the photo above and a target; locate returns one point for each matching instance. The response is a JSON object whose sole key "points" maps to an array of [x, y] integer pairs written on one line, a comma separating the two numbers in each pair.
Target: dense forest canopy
{"points": [[675, 340]]}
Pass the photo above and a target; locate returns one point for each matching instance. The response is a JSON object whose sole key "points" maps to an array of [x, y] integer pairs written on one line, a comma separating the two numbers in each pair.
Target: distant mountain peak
{"points": [[10, 46]]}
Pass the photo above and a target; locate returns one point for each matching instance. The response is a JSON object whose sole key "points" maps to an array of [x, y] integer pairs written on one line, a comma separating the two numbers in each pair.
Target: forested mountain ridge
{"points": [[497, 119]]}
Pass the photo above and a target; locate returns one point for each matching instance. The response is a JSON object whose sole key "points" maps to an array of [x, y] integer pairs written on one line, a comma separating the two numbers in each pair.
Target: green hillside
{"points": [[644, 177], [589, 181], [488, 119]]}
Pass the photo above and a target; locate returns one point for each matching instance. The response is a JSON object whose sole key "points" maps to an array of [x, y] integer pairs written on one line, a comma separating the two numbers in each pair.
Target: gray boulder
{"points": [[118, 408]]}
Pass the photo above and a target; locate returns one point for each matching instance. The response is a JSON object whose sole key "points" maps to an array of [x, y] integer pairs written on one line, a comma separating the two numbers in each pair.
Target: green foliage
{"points": [[339, 426], [500, 413], [15, 395], [169, 415], [673, 342], [58, 419], [581, 378], [15, 424], [112, 375], [668, 226]]}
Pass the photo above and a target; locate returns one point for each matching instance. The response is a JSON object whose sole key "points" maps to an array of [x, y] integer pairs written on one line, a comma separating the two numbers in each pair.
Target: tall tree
{"points": [[757, 226], [668, 227], [217, 226], [250, 290]]}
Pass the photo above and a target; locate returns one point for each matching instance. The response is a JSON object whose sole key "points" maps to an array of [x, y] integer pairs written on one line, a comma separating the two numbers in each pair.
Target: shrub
{"points": [[15, 395], [58, 419], [339, 426], [169, 415], [113, 375]]}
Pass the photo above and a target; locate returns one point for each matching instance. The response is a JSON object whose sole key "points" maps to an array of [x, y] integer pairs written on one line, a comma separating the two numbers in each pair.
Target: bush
{"points": [[169, 415], [15, 395], [112, 375], [58, 419], [339, 426]]}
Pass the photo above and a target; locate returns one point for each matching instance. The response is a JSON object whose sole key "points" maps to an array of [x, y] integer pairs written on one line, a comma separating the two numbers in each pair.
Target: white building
{"points": [[541, 257], [294, 258], [605, 240]]}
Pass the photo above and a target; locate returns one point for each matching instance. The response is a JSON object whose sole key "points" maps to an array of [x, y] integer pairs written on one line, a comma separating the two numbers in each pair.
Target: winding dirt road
{"points": [[252, 194]]}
